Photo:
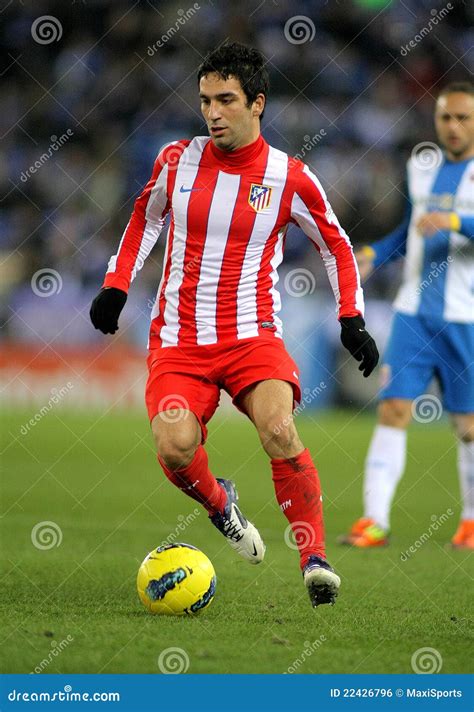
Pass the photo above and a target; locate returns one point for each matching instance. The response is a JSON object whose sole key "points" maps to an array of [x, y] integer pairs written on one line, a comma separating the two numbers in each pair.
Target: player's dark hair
{"points": [[454, 87], [244, 63]]}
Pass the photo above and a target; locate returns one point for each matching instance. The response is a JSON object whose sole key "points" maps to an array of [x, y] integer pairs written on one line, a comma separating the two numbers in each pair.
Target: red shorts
{"points": [[191, 377]]}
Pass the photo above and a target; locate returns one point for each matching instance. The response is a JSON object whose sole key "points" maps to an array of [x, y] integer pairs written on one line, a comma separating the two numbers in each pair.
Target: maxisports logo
{"points": [[259, 197]]}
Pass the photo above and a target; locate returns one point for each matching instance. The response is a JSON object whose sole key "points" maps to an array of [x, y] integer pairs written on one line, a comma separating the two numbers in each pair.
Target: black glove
{"points": [[105, 309], [359, 343]]}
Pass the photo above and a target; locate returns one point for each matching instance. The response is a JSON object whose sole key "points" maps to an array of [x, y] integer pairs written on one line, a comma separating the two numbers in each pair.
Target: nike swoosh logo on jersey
{"points": [[187, 190]]}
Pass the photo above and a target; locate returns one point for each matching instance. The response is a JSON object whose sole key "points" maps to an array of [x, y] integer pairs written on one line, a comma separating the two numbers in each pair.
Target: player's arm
{"points": [[139, 237], [464, 224], [311, 210], [431, 223], [391, 247]]}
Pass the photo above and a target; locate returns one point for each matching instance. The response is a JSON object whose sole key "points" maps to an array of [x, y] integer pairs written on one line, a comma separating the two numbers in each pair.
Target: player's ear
{"points": [[258, 105]]}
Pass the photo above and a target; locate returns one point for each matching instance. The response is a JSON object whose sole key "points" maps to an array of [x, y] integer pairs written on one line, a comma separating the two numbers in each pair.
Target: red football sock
{"points": [[298, 492], [197, 481]]}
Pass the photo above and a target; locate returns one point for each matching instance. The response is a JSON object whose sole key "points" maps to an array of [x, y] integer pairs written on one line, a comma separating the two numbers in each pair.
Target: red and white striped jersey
{"points": [[230, 212]]}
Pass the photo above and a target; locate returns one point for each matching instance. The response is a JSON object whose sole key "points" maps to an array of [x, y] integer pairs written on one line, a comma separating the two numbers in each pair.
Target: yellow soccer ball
{"points": [[176, 580]]}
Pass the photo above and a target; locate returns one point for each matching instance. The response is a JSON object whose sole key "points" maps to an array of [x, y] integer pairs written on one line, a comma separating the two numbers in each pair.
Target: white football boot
{"points": [[239, 532]]}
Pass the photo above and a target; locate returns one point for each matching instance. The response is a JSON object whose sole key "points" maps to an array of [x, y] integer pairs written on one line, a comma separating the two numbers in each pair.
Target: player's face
{"points": [[231, 123], [454, 121]]}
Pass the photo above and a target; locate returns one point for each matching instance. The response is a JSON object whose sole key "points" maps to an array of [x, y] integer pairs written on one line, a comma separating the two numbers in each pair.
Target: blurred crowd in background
{"points": [[119, 80]]}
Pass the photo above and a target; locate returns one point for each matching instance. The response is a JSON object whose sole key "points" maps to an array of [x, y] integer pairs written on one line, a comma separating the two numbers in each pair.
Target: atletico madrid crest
{"points": [[259, 197]]}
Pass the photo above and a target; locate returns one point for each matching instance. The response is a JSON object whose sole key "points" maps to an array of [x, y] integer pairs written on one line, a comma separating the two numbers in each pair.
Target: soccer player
{"points": [[215, 322], [433, 327]]}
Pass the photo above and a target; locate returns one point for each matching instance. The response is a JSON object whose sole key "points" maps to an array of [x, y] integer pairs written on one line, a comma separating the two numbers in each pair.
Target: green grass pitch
{"points": [[97, 478]]}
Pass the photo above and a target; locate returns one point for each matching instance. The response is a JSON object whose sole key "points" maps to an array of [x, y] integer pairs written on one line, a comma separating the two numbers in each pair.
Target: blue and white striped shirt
{"points": [[438, 276]]}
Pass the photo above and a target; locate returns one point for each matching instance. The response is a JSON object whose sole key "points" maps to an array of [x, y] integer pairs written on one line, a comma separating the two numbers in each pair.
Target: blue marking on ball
{"points": [[158, 588], [204, 600]]}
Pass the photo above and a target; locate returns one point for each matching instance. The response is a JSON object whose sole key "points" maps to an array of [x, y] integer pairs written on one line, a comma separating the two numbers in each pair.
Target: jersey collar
{"points": [[241, 156]]}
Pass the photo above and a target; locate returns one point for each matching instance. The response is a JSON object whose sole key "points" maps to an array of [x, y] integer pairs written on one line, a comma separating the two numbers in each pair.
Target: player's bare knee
{"points": [[395, 412], [177, 452], [464, 427], [177, 438], [279, 437]]}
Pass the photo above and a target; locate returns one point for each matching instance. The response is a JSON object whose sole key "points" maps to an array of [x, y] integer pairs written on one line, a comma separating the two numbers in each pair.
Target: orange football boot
{"points": [[364, 533], [464, 537]]}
